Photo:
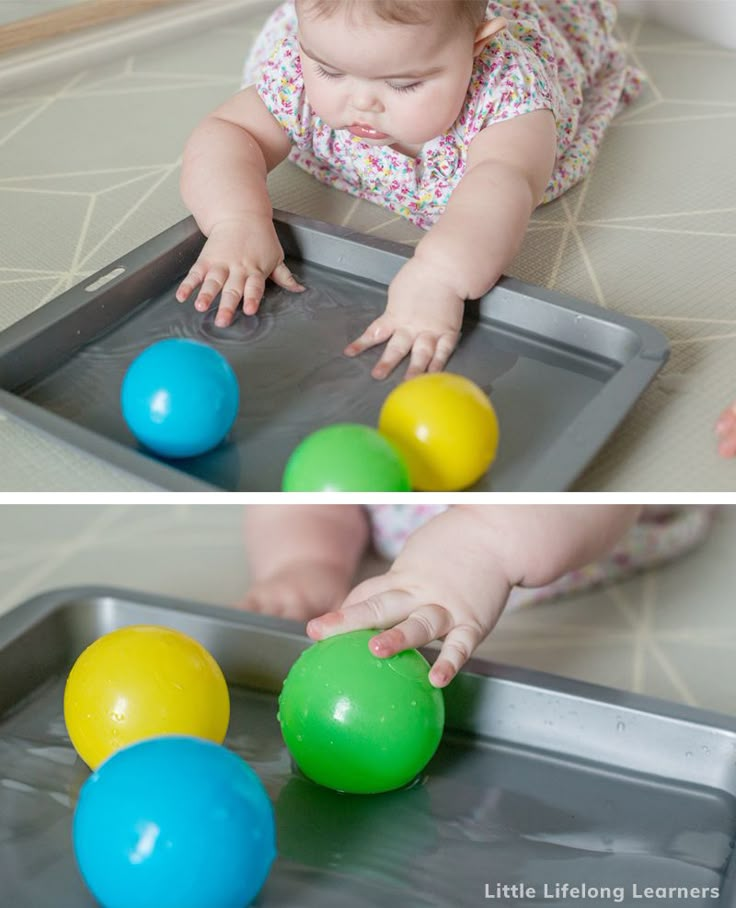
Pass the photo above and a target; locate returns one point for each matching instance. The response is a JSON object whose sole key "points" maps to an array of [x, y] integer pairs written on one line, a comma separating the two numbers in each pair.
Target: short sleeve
{"points": [[281, 88], [513, 76]]}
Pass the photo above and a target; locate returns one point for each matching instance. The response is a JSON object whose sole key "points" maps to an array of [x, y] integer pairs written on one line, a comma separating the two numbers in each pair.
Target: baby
{"points": [[460, 115], [455, 569]]}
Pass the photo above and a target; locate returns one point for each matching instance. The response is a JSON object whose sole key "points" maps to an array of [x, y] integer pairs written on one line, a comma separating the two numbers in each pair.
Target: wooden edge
{"points": [[84, 14]]}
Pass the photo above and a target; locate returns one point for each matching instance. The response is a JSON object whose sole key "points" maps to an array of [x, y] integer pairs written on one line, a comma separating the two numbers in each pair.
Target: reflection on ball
{"points": [[139, 682], [174, 822], [445, 428], [345, 457], [180, 398], [357, 723]]}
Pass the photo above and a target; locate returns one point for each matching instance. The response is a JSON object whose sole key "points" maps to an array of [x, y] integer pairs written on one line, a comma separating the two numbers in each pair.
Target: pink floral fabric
{"points": [[558, 55]]}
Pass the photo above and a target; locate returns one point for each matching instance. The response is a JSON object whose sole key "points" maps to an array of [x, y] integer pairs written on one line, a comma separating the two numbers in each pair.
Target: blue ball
{"points": [[180, 398], [174, 822]]}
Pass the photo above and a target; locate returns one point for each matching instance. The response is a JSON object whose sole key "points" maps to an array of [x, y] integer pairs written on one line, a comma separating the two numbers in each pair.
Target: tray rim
{"points": [[556, 470], [33, 611]]}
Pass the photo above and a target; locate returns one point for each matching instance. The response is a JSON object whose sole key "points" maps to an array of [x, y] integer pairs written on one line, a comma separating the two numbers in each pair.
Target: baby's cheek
{"points": [[429, 115], [323, 100]]}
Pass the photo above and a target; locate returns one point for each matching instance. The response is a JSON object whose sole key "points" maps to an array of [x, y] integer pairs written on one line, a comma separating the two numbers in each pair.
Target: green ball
{"points": [[357, 723], [345, 457]]}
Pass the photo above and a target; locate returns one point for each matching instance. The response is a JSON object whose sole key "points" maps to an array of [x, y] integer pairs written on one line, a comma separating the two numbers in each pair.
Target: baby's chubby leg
{"points": [[302, 558], [454, 575]]}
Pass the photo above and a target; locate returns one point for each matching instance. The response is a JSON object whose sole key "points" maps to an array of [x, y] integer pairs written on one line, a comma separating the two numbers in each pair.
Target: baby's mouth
{"points": [[364, 131]]}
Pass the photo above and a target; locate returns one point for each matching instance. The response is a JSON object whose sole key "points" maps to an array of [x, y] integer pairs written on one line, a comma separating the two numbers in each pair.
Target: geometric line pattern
{"points": [[90, 170]]}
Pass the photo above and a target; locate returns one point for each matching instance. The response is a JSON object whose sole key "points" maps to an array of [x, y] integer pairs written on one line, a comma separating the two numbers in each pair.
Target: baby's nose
{"points": [[367, 102]]}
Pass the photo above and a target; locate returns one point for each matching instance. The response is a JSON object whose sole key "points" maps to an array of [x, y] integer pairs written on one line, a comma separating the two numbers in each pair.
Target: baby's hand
{"points": [[235, 261], [453, 577], [448, 582], [299, 592], [726, 432], [422, 319], [416, 611]]}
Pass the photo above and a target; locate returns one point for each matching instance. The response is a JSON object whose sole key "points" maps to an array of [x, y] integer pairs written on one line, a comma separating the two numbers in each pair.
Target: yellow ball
{"points": [[139, 682], [444, 427]]}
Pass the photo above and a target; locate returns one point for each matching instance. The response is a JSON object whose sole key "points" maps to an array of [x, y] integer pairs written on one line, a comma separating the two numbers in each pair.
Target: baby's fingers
{"points": [[384, 609], [443, 351], [459, 645], [396, 349], [213, 282], [230, 297], [376, 333], [284, 278], [255, 287], [190, 283], [424, 625], [422, 354]]}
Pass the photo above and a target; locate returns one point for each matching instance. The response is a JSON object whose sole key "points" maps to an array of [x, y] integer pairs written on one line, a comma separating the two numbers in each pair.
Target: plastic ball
{"points": [[445, 428], [345, 457], [357, 723], [180, 398], [174, 822], [139, 682]]}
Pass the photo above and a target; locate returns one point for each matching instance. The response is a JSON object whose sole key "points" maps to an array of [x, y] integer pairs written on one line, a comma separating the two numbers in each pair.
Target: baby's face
{"points": [[390, 84]]}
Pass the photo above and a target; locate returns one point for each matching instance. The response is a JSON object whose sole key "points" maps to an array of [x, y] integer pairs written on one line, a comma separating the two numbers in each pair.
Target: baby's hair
{"points": [[405, 12]]}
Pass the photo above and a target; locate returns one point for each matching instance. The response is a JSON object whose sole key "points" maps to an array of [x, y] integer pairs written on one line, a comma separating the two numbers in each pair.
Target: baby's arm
{"points": [[223, 183], [454, 575], [467, 250], [302, 558]]}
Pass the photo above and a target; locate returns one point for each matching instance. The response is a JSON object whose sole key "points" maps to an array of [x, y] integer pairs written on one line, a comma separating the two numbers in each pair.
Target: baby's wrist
{"points": [[237, 220], [432, 257]]}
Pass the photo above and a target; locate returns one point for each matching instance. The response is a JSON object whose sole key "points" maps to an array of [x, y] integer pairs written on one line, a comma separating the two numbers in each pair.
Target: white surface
{"points": [[713, 20]]}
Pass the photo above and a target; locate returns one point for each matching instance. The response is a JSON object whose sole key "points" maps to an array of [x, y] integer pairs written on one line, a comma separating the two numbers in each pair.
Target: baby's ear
{"points": [[486, 31]]}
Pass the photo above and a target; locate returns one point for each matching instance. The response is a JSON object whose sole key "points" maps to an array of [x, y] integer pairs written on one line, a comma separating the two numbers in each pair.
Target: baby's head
{"points": [[393, 71]]}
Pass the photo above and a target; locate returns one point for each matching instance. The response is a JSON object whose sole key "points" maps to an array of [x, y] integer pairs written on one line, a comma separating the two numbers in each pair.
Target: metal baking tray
{"points": [[562, 374], [539, 781]]}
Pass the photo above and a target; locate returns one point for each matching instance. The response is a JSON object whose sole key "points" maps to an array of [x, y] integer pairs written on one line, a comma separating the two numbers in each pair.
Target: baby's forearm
{"points": [[537, 544], [224, 175], [482, 228], [278, 536]]}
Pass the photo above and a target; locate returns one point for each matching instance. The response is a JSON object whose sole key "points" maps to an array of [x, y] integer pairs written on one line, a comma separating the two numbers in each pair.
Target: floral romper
{"points": [[558, 55], [661, 534]]}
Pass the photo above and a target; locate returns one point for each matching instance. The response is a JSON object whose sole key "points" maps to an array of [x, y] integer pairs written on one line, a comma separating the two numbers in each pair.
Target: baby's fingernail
{"points": [[322, 627], [314, 629], [438, 678], [379, 647]]}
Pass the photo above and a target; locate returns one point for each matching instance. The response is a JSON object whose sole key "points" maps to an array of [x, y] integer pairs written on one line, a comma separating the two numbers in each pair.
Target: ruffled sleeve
{"points": [[281, 88], [517, 74]]}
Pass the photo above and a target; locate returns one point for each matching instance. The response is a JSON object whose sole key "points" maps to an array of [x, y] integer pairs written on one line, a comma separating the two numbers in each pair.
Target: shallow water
{"points": [[295, 379], [483, 815]]}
